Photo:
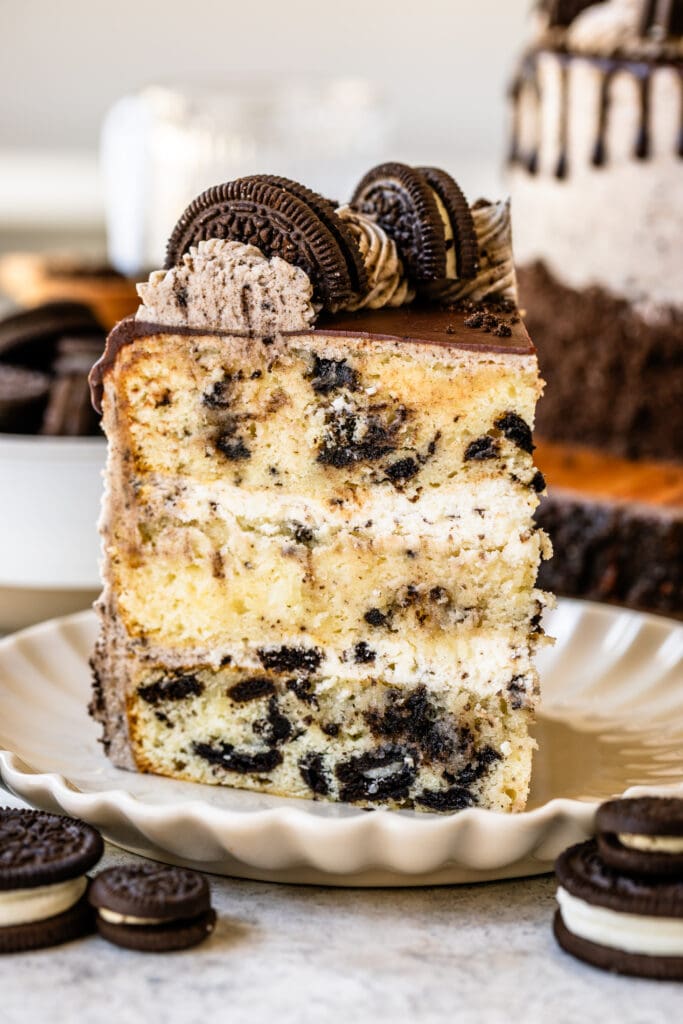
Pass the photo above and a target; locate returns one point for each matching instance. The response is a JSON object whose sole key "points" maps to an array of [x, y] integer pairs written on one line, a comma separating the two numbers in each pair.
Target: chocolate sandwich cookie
{"points": [[69, 411], [280, 220], [43, 888], [618, 922], [22, 397], [30, 338], [335, 224], [462, 248], [404, 205], [152, 908], [642, 836]]}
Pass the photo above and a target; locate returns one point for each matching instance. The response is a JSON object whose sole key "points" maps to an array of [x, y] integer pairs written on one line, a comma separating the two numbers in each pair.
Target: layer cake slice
{"points": [[319, 548]]}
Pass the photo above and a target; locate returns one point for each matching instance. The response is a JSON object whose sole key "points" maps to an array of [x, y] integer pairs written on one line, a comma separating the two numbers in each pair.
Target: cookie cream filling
{"points": [[227, 285], [629, 933], [651, 844], [24, 906], [387, 283], [451, 263], [114, 918]]}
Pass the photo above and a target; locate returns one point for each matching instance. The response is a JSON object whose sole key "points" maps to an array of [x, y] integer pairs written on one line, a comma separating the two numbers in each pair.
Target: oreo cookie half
{"points": [[22, 397], [280, 220], [617, 922], [335, 225], [29, 338], [152, 908], [43, 860], [642, 836], [464, 241], [69, 411], [399, 198]]}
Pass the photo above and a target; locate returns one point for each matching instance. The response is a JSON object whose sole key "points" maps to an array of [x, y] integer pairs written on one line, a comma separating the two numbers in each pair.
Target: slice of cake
{"points": [[319, 548]]}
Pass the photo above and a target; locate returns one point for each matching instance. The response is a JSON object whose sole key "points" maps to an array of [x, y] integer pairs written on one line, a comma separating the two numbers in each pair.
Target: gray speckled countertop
{"points": [[290, 955]]}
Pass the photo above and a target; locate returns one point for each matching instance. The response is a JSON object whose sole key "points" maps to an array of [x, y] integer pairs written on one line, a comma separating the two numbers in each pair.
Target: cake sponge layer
{"points": [[319, 416], [215, 582], [363, 743]]}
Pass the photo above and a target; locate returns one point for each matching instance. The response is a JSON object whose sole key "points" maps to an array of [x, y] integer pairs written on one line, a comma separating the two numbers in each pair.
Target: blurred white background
{"points": [[443, 67]]}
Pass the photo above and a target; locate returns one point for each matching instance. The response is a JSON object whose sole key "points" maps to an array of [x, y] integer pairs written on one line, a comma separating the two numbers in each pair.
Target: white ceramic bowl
{"points": [[50, 491]]}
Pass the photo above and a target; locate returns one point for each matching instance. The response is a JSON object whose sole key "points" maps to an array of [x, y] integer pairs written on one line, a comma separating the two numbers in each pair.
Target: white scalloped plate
{"points": [[612, 720]]}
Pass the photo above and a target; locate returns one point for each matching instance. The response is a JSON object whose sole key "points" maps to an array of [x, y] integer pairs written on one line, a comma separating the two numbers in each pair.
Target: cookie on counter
{"points": [[152, 908], [642, 836], [613, 914], [43, 885]]}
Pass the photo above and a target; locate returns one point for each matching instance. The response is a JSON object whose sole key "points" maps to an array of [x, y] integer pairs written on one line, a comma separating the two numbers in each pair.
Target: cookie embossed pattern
{"points": [[43, 885]]}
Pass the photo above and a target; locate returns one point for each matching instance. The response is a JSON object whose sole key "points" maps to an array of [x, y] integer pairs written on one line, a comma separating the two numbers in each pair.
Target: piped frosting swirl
{"points": [[228, 285], [496, 275], [387, 281]]}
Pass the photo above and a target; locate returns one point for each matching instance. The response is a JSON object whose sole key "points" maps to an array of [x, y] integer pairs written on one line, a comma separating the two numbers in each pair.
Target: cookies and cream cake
{"points": [[596, 177], [319, 548]]}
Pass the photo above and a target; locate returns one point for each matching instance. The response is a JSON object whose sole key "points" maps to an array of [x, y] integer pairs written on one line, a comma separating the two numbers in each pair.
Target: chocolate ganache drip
{"points": [[527, 90], [662, 18]]}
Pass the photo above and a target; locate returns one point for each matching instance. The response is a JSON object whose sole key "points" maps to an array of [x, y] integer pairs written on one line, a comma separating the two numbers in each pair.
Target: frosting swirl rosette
{"points": [[387, 282]]}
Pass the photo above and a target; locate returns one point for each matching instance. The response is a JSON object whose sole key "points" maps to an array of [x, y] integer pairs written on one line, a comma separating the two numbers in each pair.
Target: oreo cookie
{"points": [[39, 349], [426, 214], [43, 888], [401, 201], [464, 241], [30, 338], [281, 218], [618, 922], [69, 411], [22, 397], [642, 836], [152, 908], [326, 210]]}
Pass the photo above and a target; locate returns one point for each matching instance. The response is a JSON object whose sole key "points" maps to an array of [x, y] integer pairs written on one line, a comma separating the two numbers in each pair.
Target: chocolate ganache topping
{"points": [[264, 256]]}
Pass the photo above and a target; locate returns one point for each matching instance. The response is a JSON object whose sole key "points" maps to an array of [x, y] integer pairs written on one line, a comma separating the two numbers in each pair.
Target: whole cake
{"points": [[596, 175], [319, 549]]}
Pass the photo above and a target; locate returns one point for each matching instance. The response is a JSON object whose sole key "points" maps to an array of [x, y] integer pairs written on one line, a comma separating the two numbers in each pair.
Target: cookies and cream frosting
{"points": [[387, 281], [629, 933], [24, 906], [496, 275], [227, 285]]}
